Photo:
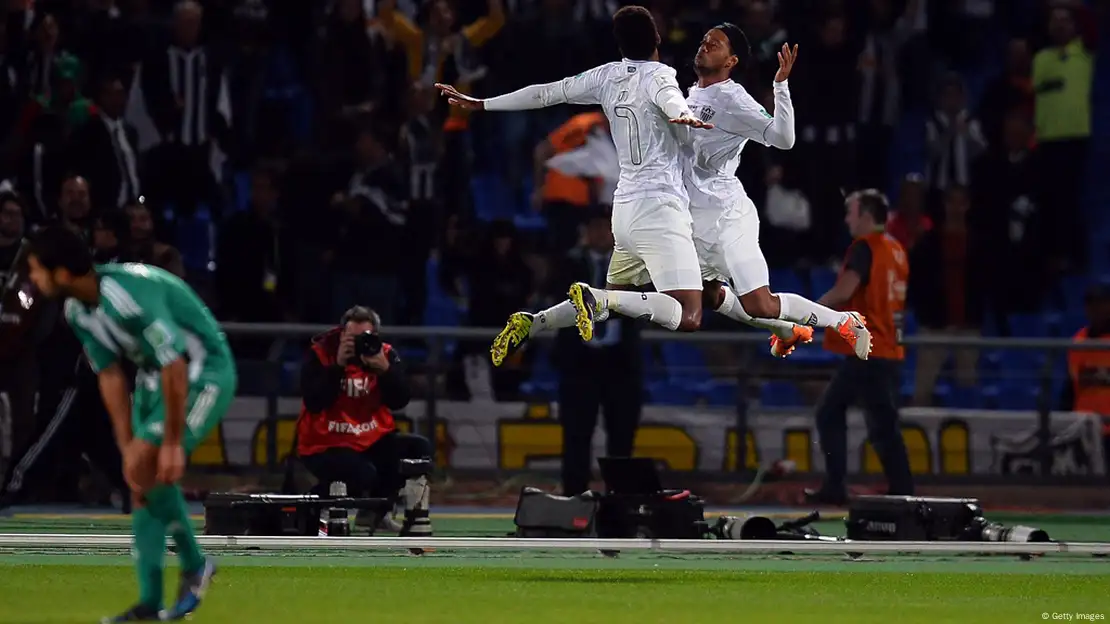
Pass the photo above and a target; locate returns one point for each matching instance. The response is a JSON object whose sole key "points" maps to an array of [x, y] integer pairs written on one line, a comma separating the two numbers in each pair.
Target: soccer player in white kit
{"points": [[725, 221], [651, 219]]}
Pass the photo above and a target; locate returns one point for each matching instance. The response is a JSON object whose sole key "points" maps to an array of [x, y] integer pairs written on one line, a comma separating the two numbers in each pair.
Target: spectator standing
{"points": [[252, 279], [44, 54], [946, 292], [104, 150], [549, 29], [1062, 81], [827, 107], [500, 283], [353, 75], [442, 52], [953, 138], [422, 146], [184, 90], [881, 87], [370, 212], [909, 221], [1010, 213], [1012, 90]]}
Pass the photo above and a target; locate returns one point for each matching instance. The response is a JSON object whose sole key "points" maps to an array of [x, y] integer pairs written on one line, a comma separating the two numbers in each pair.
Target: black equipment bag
{"points": [[275, 514], [539, 514], [910, 518], [668, 514]]}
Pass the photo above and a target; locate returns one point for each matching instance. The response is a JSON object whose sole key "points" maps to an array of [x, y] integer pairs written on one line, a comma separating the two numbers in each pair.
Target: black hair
{"points": [[58, 247], [737, 43], [637, 36], [361, 314], [873, 202]]}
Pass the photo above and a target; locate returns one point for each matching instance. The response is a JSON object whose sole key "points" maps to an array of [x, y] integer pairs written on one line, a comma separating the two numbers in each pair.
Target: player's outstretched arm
{"points": [[584, 88], [780, 133]]}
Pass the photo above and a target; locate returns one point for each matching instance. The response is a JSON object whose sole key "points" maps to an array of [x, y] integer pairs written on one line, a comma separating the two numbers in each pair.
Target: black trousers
{"points": [[71, 422], [874, 385], [375, 472], [582, 396], [19, 383]]}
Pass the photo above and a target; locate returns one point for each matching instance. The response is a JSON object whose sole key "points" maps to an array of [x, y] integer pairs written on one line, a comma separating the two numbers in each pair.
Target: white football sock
{"points": [[554, 318], [733, 309], [559, 316], [802, 311], [656, 307]]}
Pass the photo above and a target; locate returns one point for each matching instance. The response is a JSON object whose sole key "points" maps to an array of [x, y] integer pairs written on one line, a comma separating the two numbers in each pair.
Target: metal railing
{"points": [[436, 338]]}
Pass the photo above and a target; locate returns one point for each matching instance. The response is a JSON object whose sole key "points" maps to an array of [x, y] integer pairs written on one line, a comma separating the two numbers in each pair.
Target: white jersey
{"points": [[639, 98], [711, 161]]}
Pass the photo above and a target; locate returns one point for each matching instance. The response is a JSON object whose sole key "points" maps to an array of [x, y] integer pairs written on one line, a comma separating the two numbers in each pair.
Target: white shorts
{"points": [[654, 244], [734, 256]]}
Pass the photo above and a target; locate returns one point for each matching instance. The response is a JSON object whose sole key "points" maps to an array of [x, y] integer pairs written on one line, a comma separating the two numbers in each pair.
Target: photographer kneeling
{"points": [[351, 381]]}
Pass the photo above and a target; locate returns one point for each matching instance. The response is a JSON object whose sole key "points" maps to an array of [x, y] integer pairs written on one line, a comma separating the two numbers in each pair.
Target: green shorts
{"points": [[208, 400]]}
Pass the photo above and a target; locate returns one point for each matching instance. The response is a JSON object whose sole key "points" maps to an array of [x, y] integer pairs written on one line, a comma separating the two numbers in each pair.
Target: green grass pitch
{"points": [[42, 587]]}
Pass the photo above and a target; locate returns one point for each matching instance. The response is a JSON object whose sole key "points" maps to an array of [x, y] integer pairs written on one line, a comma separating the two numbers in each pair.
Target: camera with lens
{"points": [[367, 344]]}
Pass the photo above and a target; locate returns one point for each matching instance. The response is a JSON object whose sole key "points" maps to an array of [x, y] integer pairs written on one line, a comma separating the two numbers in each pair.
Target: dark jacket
{"points": [[929, 293], [320, 385], [615, 348]]}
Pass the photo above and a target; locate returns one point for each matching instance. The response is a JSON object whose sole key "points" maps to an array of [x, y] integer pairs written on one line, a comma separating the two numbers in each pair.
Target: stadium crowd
{"points": [[254, 146]]}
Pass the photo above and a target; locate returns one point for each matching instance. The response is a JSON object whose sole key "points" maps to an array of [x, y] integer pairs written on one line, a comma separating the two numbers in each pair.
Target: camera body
{"points": [[367, 344]]}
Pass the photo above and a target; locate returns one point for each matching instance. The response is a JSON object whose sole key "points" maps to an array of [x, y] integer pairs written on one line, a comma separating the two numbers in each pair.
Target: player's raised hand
{"points": [[787, 56], [693, 122], [455, 98]]}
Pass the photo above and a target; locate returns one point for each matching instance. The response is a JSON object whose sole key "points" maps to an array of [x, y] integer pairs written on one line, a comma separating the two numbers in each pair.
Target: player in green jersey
{"points": [[186, 380]]}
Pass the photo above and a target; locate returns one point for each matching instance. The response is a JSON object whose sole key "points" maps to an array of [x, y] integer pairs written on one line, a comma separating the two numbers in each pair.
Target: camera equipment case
{"points": [[911, 518], [634, 505], [275, 514]]}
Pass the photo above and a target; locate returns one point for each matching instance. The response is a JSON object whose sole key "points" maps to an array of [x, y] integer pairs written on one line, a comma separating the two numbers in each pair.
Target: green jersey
{"points": [[151, 318]]}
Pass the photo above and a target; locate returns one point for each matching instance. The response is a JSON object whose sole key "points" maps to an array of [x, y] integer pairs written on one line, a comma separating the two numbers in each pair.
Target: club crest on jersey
{"points": [[706, 113]]}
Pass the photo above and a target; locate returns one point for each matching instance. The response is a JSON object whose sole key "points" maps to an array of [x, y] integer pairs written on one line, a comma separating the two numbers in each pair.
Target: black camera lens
{"points": [[367, 344]]}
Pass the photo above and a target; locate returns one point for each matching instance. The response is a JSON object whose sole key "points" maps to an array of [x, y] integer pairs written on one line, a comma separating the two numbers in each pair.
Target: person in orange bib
{"points": [[1088, 388], [872, 280]]}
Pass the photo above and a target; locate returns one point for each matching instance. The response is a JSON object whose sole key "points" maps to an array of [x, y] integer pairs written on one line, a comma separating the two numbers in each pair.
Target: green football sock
{"points": [[170, 506], [150, 552]]}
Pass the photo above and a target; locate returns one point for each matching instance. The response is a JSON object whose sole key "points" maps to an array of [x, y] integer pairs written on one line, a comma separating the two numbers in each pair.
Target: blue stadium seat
{"points": [[684, 361], [492, 200], [909, 323], [780, 394], [242, 181], [964, 398], [1029, 325], [786, 280], [196, 237], [1011, 396], [530, 222], [671, 393], [821, 280], [1072, 290], [719, 392]]}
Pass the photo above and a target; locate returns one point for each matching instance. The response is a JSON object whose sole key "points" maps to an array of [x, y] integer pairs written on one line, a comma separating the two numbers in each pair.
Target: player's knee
{"points": [[691, 318], [712, 296], [760, 304]]}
